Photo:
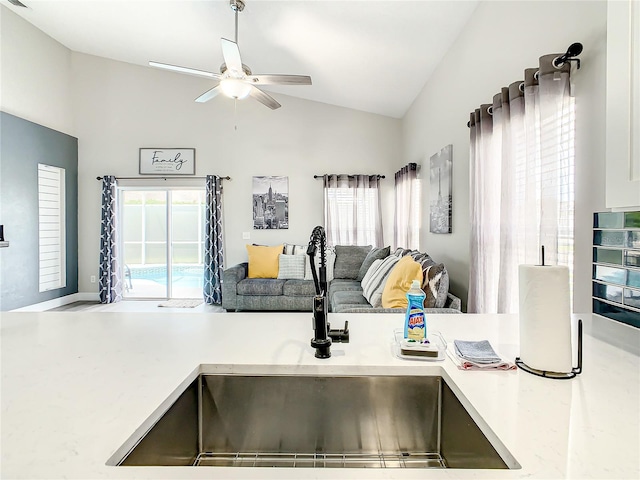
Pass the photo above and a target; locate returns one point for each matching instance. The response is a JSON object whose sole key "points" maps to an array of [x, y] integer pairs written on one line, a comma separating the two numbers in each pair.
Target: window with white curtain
{"points": [[522, 184], [408, 212], [352, 210], [51, 226]]}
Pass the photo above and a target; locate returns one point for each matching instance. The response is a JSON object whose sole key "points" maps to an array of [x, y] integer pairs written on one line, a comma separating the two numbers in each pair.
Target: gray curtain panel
{"points": [[213, 252], [407, 219], [110, 282]]}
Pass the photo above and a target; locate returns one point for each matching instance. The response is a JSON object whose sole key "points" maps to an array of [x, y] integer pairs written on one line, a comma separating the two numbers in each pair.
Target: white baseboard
{"points": [[58, 302], [88, 297]]}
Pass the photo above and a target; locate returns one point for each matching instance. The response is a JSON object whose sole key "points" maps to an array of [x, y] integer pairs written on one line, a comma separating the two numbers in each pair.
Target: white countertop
{"points": [[75, 386]]}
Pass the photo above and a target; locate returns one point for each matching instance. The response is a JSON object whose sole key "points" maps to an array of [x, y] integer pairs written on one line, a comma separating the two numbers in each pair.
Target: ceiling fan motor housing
{"points": [[245, 69]]}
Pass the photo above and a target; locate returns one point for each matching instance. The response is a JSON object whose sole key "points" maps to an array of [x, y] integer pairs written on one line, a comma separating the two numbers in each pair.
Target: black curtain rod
{"points": [[163, 178], [573, 51], [352, 176]]}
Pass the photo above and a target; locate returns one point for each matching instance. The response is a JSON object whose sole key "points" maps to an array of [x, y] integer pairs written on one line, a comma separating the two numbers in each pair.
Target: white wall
{"points": [[121, 107], [35, 75], [498, 43]]}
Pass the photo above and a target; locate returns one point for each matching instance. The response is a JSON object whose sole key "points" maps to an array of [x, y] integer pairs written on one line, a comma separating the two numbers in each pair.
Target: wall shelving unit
{"points": [[616, 266]]}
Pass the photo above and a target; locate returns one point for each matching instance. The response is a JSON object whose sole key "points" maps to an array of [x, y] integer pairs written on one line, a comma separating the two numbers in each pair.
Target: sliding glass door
{"points": [[162, 242]]}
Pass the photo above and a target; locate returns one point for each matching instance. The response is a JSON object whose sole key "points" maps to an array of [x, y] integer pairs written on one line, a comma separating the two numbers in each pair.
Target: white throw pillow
{"points": [[331, 260], [375, 286], [291, 267]]}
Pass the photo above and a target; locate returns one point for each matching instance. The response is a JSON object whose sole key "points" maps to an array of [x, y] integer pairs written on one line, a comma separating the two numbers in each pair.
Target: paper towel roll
{"points": [[545, 318]]}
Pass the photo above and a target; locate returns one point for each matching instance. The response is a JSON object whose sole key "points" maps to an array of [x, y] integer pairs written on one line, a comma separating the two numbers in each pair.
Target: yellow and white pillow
{"points": [[394, 294]]}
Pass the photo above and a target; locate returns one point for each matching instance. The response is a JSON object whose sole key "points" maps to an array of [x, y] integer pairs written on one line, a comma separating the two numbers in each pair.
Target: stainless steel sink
{"points": [[316, 421]]}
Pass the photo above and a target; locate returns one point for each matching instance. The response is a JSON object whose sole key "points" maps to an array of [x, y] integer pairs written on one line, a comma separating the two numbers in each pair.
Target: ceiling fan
{"points": [[235, 79]]}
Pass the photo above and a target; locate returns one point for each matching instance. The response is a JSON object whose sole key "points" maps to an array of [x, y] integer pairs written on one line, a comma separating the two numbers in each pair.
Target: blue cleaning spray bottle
{"points": [[415, 325]]}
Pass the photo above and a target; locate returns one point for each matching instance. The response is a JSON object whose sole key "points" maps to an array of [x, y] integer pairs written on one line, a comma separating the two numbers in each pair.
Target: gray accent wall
{"points": [[23, 145]]}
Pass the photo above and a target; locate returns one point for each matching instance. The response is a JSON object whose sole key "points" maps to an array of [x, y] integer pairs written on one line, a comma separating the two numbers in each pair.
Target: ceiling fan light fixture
{"points": [[235, 88]]}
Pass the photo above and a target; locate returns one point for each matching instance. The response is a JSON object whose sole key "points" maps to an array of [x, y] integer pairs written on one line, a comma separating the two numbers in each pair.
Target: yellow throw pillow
{"points": [[399, 281], [263, 261]]}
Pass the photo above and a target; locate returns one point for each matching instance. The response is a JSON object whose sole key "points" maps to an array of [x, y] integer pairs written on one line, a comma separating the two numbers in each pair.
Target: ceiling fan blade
{"points": [[209, 94], [280, 79], [263, 98], [231, 54], [190, 71]]}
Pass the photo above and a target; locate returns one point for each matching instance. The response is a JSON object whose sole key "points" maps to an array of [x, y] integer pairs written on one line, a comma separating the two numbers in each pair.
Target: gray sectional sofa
{"points": [[240, 293]]}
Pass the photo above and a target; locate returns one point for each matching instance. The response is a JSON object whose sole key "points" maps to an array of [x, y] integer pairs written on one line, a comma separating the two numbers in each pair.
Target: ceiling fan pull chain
{"points": [[235, 111]]}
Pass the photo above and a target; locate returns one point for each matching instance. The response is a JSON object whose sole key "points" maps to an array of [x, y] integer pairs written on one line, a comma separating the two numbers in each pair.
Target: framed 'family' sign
{"points": [[167, 161]]}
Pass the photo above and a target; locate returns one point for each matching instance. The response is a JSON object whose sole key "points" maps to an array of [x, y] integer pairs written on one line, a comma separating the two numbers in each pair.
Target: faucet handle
{"points": [[340, 335]]}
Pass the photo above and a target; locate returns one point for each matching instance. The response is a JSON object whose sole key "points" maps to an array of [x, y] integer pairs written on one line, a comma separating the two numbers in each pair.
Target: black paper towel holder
{"points": [[556, 375]]}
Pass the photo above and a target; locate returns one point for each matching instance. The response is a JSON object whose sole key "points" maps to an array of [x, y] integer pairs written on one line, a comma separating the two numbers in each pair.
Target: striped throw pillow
{"points": [[366, 280], [291, 267], [372, 291], [290, 249]]}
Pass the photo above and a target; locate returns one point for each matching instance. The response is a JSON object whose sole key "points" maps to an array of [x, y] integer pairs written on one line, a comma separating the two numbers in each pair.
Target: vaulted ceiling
{"points": [[368, 55]]}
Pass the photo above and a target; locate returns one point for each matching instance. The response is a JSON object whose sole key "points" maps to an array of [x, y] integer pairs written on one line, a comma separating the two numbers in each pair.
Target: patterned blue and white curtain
{"points": [[213, 258], [110, 281]]}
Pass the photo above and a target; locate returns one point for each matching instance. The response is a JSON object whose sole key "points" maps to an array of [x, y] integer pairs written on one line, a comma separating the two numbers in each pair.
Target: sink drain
{"points": [[321, 460]]}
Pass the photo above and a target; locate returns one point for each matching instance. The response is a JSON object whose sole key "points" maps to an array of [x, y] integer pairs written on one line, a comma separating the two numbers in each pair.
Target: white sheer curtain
{"points": [[352, 214], [521, 184], [407, 217]]}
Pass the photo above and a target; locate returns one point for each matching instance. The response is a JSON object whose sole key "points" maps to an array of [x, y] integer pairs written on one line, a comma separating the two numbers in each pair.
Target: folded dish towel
{"points": [[471, 361], [478, 352]]}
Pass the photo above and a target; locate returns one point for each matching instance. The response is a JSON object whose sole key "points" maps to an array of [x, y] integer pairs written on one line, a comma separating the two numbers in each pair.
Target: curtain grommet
{"points": [[556, 65]]}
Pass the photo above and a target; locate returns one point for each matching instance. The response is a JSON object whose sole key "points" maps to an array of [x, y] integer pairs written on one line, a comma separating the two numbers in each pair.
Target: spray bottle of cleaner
{"points": [[415, 325]]}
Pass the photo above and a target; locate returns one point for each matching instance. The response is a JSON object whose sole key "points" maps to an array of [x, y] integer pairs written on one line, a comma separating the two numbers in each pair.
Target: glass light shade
{"points": [[235, 88]]}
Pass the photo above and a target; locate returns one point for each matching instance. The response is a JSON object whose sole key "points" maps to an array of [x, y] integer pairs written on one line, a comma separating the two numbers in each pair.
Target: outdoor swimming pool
{"points": [[151, 281]]}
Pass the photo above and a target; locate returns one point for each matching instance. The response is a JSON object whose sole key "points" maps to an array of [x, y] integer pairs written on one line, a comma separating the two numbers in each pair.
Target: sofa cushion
{"points": [[260, 286], [343, 284], [373, 255], [263, 261], [347, 307], [373, 288], [347, 297], [394, 294], [299, 288], [291, 267], [349, 259]]}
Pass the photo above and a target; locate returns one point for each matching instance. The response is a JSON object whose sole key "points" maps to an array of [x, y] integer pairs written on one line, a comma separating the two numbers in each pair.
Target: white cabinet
{"points": [[623, 105]]}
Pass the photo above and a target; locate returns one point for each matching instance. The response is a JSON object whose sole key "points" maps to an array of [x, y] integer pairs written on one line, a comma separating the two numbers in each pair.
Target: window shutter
{"points": [[51, 225]]}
